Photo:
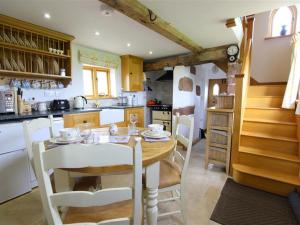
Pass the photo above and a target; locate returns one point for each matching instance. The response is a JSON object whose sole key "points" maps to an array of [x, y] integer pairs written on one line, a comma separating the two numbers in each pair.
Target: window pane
{"points": [[102, 83], [87, 82], [282, 20], [216, 89]]}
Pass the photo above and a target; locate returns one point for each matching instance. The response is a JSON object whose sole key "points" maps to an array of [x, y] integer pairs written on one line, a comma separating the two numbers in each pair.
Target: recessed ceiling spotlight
{"points": [[47, 15], [97, 33], [128, 44], [106, 10], [150, 52]]}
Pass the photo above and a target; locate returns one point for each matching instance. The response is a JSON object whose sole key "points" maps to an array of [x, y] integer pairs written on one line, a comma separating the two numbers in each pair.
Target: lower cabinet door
{"points": [[14, 175]]}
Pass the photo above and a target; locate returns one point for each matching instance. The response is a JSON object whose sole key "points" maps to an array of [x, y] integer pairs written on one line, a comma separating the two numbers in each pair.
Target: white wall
{"points": [[271, 57], [204, 73]]}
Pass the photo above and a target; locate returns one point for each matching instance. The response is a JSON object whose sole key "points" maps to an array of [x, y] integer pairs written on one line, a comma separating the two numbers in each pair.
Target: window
{"points": [[96, 82], [283, 21], [216, 89]]}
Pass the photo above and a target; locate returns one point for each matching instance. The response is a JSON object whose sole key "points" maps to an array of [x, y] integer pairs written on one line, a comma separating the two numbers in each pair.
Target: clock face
{"points": [[232, 50]]}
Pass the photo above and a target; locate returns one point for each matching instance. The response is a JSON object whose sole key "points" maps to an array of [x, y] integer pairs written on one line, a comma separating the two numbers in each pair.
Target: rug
{"points": [[242, 205]]}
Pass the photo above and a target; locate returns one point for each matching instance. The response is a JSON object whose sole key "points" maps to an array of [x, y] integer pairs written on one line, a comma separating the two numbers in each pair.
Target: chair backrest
{"points": [[34, 126], [180, 123], [78, 156]]}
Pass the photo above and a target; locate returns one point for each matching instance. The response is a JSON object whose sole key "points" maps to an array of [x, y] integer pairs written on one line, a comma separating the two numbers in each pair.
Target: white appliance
{"points": [[79, 102], [109, 116], [16, 175], [14, 162], [162, 114]]}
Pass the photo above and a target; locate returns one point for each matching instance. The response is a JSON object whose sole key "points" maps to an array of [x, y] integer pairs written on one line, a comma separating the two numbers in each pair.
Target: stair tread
{"points": [[269, 121], [270, 154], [263, 135], [267, 108], [277, 176], [265, 96]]}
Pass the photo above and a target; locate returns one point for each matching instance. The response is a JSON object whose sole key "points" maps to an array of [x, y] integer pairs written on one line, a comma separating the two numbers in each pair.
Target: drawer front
{"points": [[80, 118], [161, 115]]}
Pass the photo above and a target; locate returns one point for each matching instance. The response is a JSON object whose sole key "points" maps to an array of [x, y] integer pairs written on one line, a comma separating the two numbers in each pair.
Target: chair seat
{"points": [[169, 175], [99, 213]]}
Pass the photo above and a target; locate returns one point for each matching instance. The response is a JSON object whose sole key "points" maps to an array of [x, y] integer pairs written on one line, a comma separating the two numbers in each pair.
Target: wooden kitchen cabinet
{"points": [[132, 73], [140, 116], [72, 120]]}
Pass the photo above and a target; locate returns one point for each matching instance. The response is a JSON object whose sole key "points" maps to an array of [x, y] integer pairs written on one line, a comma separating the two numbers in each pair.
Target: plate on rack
{"points": [[151, 134], [61, 141]]}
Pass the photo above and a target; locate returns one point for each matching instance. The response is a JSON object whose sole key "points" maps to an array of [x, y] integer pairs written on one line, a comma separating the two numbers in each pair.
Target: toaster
{"points": [[60, 104]]}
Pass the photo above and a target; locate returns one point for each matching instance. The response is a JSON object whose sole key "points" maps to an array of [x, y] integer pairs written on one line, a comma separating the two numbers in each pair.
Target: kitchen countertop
{"points": [[35, 114]]}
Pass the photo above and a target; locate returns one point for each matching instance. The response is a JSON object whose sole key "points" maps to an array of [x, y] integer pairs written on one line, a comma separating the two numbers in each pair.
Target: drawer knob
{"points": [[84, 121]]}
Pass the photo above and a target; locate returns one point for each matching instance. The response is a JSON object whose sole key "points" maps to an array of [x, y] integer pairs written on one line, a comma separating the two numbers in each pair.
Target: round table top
{"points": [[151, 152]]}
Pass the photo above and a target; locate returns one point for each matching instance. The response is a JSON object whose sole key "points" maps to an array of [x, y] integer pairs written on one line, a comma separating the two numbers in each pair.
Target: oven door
{"points": [[167, 124]]}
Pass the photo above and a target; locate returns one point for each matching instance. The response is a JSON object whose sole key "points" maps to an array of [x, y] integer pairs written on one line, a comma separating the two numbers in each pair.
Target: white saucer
{"points": [[151, 134], [60, 140]]}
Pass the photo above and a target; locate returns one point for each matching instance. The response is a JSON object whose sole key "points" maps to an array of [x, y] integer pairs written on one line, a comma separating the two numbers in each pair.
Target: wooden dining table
{"points": [[152, 153]]}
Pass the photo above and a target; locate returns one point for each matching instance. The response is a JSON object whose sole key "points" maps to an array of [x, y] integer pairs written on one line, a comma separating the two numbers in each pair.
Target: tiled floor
{"points": [[203, 189]]}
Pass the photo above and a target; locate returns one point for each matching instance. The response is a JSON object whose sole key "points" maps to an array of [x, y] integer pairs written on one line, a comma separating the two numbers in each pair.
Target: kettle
{"points": [[79, 102]]}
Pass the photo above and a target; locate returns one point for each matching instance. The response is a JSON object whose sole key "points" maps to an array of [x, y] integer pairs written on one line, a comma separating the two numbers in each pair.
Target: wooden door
{"points": [[222, 83], [139, 113], [135, 74]]}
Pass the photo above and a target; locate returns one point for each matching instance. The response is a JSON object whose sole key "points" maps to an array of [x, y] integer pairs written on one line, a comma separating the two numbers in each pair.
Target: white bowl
{"points": [[156, 128], [69, 133]]}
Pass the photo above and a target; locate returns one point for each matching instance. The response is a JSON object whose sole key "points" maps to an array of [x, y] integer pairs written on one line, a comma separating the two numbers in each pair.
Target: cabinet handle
{"points": [[84, 121]]}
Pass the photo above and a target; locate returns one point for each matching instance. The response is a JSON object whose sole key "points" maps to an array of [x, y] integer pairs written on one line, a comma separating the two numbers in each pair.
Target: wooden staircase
{"points": [[268, 152]]}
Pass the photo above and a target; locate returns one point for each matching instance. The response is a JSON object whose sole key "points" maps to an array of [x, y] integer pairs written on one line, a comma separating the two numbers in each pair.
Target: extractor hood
{"points": [[167, 76]]}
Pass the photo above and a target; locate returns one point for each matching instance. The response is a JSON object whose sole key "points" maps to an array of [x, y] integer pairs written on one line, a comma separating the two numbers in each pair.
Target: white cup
{"points": [[156, 128], [68, 133]]}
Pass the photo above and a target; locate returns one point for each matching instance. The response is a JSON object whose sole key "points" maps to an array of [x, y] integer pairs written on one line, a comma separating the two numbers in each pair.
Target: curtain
{"points": [[292, 88]]}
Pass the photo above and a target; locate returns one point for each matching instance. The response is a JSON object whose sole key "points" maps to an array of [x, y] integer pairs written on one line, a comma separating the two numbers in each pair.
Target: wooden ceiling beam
{"points": [[214, 55], [140, 13]]}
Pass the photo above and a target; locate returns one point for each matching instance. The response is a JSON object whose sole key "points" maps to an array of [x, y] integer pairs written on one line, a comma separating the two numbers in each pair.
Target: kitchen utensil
{"points": [[42, 106], [21, 65], [35, 84], [27, 43], [20, 41], [113, 129], [61, 141], [150, 134], [156, 128], [6, 38], [25, 84], [33, 44], [79, 102], [13, 40], [14, 65], [7, 65], [67, 134]]}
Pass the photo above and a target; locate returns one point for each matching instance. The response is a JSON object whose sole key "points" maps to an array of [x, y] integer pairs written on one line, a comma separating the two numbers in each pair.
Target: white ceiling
{"points": [[202, 20]]}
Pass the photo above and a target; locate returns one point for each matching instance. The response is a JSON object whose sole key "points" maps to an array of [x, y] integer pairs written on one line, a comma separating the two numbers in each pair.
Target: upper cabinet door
{"points": [[132, 73]]}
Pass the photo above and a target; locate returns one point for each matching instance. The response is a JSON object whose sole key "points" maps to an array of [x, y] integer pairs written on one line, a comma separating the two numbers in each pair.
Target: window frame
{"points": [[293, 10], [94, 70]]}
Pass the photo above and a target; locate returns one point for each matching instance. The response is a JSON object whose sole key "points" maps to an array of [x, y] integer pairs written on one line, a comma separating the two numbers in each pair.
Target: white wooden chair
{"points": [[173, 171], [90, 208], [32, 127]]}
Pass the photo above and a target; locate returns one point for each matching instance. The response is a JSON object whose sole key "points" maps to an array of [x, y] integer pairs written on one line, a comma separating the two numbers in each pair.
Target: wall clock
{"points": [[232, 52]]}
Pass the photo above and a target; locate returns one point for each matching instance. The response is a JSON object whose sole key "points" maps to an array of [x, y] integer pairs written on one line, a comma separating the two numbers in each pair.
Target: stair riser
{"points": [[270, 102], [268, 185], [271, 129], [267, 114], [266, 90], [270, 164], [285, 147]]}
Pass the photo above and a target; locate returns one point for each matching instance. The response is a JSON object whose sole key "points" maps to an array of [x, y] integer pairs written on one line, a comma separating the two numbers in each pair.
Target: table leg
{"points": [[152, 183]]}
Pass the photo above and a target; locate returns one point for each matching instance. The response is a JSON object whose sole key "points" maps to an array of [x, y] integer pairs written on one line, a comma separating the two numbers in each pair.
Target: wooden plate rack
{"points": [[33, 52]]}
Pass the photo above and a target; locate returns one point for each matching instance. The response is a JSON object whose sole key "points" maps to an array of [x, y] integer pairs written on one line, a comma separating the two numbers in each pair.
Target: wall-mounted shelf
{"points": [[33, 52]]}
